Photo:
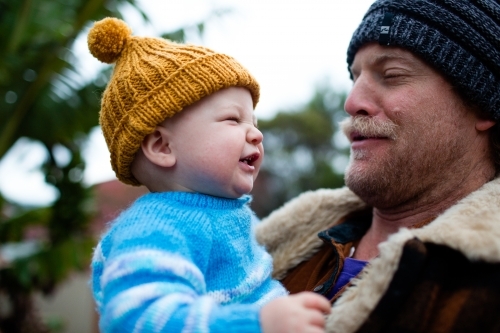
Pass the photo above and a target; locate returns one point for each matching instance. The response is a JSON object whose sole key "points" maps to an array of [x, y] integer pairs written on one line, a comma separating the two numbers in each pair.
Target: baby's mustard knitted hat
{"points": [[153, 79]]}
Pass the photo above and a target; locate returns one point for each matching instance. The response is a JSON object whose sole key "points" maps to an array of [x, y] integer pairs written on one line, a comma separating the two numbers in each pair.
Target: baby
{"points": [[179, 120]]}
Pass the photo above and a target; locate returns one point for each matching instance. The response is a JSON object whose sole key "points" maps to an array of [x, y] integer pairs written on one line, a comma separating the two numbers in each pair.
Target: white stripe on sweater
{"points": [[197, 320], [158, 262], [160, 312]]}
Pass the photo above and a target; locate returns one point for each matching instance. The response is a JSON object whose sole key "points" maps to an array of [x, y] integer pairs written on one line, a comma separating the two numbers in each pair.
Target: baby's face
{"points": [[217, 145]]}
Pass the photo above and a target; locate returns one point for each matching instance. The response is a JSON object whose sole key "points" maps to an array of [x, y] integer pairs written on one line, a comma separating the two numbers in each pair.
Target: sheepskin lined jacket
{"points": [[441, 277]]}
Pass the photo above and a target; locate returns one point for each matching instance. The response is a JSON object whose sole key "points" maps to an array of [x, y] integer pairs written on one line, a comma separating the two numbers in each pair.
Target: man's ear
{"points": [[156, 148], [484, 124]]}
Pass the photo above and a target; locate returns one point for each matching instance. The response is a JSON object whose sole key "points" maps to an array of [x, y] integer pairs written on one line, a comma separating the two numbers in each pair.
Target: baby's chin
{"points": [[229, 190], [235, 192]]}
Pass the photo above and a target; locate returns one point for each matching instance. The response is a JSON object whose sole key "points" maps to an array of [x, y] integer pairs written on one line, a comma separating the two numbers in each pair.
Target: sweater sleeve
{"points": [[154, 282]]}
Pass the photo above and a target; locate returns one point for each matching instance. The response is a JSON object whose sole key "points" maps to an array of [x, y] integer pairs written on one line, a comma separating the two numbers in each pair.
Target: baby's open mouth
{"points": [[250, 160]]}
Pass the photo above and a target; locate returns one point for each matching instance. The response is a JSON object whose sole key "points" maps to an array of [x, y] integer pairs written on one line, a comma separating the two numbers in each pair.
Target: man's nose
{"points": [[362, 98]]}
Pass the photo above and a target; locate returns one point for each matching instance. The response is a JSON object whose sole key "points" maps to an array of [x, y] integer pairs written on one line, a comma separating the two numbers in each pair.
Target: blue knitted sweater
{"points": [[182, 262]]}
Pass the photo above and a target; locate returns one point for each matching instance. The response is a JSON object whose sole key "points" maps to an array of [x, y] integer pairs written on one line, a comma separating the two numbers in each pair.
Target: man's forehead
{"points": [[374, 54]]}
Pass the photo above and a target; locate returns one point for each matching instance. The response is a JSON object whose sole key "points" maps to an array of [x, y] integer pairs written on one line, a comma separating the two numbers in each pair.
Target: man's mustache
{"points": [[366, 126]]}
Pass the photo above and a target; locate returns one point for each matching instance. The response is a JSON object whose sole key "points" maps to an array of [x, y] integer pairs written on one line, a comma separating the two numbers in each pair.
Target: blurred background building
{"points": [[57, 190]]}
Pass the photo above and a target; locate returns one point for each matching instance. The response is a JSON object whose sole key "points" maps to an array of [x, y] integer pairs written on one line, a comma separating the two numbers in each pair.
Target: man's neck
{"points": [[388, 221]]}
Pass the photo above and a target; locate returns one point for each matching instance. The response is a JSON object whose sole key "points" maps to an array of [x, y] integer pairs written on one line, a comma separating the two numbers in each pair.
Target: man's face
{"points": [[408, 128]]}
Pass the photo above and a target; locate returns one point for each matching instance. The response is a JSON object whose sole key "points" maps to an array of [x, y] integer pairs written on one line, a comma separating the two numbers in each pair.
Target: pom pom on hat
{"points": [[107, 39]]}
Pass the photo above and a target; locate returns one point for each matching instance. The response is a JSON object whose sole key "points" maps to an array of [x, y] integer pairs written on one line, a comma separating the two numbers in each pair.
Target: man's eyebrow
{"points": [[390, 56]]}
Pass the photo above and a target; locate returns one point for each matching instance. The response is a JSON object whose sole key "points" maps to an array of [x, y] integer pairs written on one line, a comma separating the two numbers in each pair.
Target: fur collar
{"points": [[290, 233], [472, 226]]}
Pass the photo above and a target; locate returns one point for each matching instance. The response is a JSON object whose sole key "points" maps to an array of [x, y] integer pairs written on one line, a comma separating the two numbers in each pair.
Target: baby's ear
{"points": [[155, 147]]}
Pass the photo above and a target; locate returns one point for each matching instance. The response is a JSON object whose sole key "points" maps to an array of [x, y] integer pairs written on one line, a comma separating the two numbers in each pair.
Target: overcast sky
{"points": [[288, 45]]}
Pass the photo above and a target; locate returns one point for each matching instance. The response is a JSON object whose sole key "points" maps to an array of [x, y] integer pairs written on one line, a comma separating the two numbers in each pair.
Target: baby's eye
{"points": [[233, 119]]}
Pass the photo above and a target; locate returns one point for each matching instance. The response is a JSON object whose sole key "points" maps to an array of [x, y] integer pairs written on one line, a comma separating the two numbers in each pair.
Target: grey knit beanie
{"points": [[460, 38]]}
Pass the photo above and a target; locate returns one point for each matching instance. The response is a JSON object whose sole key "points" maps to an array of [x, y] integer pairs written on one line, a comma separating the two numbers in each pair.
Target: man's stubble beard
{"points": [[405, 172]]}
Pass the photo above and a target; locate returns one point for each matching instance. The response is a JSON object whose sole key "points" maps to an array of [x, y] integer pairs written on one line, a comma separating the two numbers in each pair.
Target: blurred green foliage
{"points": [[300, 150]]}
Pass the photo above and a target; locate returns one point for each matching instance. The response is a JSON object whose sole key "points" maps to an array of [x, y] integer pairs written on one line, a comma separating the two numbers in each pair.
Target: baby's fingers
{"points": [[315, 301], [317, 319]]}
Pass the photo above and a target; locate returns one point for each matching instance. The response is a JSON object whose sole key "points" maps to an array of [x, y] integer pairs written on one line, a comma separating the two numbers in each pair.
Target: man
{"points": [[412, 244]]}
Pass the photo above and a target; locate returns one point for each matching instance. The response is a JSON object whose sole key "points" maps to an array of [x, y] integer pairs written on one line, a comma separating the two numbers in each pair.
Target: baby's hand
{"points": [[300, 313]]}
